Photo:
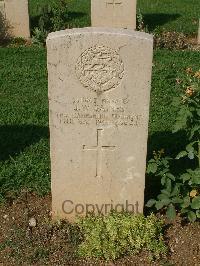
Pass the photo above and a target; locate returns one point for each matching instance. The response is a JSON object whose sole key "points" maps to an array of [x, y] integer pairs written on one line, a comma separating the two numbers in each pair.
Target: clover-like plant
{"points": [[118, 234]]}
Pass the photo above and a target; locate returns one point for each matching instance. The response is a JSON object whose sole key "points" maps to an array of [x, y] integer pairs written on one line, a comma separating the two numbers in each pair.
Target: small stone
{"points": [[32, 222], [50, 214], [172, 250], [28, 232], [5, 216]]}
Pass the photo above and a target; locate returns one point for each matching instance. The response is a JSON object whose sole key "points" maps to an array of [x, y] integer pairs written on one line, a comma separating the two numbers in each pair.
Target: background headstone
{"points": [[114, 13], [17, 14], [99, 93]]}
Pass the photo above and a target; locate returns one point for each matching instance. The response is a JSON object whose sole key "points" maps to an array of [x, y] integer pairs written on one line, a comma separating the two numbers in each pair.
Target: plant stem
{"points": [[199, 152]]}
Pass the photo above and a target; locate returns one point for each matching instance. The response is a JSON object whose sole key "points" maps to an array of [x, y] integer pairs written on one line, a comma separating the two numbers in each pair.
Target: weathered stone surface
{"points": [[16, 13], [2, 8], [99, 90], [114, 13]]}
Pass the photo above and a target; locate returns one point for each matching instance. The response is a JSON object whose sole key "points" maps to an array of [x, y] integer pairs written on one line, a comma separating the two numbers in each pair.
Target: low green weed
{"points": [[110, 237], [140, 22]]}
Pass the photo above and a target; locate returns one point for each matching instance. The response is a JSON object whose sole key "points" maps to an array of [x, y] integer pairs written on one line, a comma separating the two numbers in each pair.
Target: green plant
{"points": [[182, 191], [54, 17], [112, 236], [140, 22], [39, 36], [18, 41]]}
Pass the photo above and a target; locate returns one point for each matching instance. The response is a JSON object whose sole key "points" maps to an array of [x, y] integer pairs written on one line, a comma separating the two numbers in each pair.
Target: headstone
{"points": [[114, 13], [2, 8], [99, 93], [16, 13]]}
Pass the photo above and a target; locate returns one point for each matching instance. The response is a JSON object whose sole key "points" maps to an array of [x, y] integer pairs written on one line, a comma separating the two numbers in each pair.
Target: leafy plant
{"points": [[182, 192], [112, 236], [140, 22], [39, 36], [18, 42], [53, 17]]}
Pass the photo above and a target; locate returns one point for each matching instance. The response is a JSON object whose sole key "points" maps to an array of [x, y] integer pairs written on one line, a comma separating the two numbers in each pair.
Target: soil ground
{"points": [[54, 244]]}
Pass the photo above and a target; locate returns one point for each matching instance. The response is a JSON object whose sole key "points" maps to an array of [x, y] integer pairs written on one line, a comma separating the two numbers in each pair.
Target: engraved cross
{"points": [[114, 3], [99, 148]]}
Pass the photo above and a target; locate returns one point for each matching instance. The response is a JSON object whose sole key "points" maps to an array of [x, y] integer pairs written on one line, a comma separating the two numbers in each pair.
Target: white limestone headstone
{"points": [[99, 93], [114, 13], [17, 14]]}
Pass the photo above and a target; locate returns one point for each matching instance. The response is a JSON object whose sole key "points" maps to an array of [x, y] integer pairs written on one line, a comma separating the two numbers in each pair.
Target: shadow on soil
{"points": [[14, 139]]}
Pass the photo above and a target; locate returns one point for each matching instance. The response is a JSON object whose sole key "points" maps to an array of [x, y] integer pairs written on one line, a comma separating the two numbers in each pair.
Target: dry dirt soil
{"points": [[54, 244]]}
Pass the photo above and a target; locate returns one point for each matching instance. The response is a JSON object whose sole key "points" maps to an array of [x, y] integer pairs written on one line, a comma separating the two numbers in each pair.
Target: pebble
{"points": [[5, 216], [28, 232], [32, 222]]}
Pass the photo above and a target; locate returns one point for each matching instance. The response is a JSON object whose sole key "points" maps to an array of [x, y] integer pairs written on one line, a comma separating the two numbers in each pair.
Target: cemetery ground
{"points": [[24, 144]]}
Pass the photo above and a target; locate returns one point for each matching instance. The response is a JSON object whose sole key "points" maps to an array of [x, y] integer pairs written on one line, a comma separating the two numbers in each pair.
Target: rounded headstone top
{"points": [[100, 30]]}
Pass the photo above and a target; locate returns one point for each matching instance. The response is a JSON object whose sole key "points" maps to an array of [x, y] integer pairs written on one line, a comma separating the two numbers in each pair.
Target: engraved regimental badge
{"points": [[100, 69]]}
